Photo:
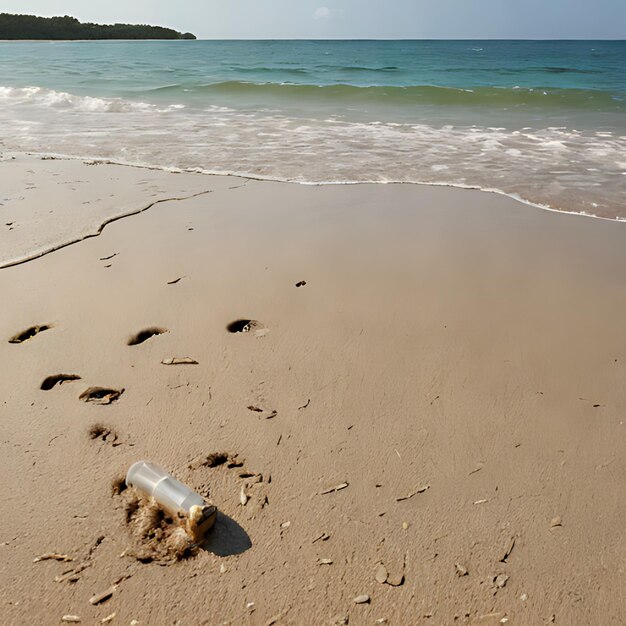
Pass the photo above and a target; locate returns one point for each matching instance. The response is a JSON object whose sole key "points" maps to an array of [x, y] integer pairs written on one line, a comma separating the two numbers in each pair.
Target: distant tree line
{"points": [[33, 27]]}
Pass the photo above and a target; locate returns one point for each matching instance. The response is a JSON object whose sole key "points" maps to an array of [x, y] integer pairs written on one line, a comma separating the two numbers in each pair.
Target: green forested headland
{"points": [[33, 27]]}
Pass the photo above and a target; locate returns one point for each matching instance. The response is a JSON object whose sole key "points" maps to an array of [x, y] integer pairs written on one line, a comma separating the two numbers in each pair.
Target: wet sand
{"points": [[455, 357]]}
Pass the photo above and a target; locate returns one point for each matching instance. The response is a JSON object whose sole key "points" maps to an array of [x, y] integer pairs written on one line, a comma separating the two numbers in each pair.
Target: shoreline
{"points": [[248, 176], [97, 229]]}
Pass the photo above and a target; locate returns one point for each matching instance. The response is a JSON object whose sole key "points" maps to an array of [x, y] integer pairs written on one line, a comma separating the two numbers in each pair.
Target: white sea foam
{"points": [[554, 167], [62, 100]]}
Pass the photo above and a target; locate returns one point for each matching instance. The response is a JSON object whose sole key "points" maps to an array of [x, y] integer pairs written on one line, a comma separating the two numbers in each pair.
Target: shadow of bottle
{"points": [[227, 537]]}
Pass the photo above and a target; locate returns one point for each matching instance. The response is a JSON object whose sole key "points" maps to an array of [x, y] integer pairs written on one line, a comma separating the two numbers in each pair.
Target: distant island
{"points": [[32, 27]]}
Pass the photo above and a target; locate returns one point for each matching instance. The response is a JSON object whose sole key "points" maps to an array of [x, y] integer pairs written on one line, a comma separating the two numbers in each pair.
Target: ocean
{"points": [[544, 121]]}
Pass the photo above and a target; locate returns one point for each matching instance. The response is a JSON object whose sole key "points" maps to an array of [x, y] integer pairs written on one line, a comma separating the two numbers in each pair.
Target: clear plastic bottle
{"points": [[153, 481], [173, 496]]}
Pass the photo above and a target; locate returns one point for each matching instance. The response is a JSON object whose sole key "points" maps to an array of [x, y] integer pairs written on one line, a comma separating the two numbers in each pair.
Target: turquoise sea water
{"points": [[545, 121]]}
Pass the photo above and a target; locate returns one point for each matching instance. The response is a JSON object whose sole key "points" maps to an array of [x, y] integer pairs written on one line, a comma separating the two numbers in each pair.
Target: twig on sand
{"points": [[413, 493], [507, 550], [53, 556], [104, 595], [333, 489], [183, 360]]}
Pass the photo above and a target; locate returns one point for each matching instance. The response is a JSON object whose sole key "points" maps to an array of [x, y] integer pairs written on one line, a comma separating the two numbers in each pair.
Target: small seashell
{"points": [[363, 599], [460, 570], [381, 574], [395, 580], [500, 580]]}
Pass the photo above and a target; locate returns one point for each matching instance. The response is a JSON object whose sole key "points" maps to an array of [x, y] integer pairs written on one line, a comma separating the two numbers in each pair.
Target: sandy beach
{"points": [[429, 429]]}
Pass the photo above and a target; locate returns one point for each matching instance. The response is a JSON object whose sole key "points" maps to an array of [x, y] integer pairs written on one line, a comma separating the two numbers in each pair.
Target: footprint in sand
{"points": [[247, 326], [215, 459], [100, 395], [29, 333], [145, 334], [57, 379], [104, 433]]}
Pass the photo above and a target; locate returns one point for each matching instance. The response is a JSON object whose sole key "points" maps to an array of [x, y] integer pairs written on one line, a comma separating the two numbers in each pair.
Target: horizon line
{"points": [[409, 39], [190, 41]]}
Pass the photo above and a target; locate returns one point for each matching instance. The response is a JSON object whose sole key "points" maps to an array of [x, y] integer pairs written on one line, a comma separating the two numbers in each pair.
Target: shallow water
{"points": [[545, 121]]}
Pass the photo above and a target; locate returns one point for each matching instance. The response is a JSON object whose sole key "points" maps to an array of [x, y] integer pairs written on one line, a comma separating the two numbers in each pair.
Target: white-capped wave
{"points": [[62, 100]]}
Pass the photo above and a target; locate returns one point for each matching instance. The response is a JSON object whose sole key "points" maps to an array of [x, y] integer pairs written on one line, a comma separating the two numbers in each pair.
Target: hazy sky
{"points": [[410, 19]]}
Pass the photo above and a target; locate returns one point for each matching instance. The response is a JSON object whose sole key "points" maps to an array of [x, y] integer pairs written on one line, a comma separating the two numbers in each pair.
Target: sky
{"points": [[350, 19]]}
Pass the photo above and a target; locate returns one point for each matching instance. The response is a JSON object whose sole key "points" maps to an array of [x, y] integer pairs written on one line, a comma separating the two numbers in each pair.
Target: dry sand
{"points": [[454, 348]]}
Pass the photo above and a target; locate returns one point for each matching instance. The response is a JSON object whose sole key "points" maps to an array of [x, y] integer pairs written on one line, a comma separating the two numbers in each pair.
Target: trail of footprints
{"points": [[95, 394], [144, 522], [149, 524], [107, 395], [155, 537]]}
